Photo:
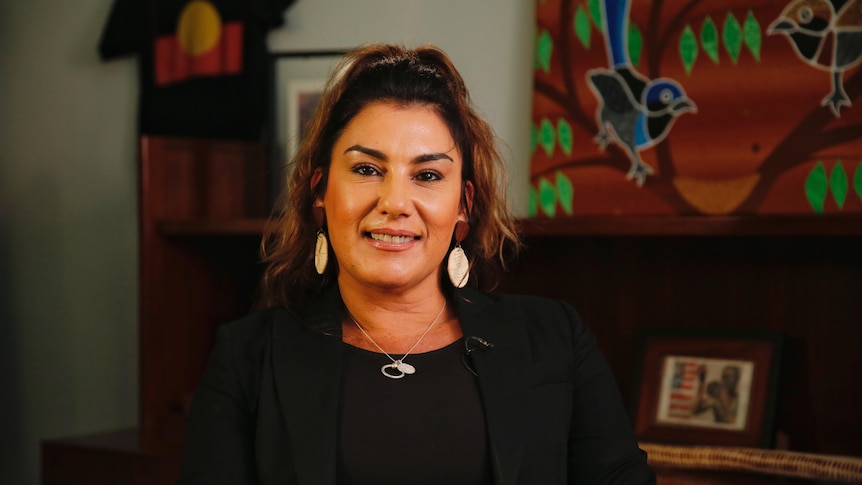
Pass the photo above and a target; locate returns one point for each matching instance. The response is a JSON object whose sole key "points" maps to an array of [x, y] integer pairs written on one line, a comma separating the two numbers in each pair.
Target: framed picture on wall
{"points": [[298, 78], [714, 388], [302, 98], [707, 149]]}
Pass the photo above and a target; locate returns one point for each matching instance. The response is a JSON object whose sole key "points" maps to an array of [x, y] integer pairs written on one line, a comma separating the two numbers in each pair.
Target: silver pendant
{"points": [[397, 369]]}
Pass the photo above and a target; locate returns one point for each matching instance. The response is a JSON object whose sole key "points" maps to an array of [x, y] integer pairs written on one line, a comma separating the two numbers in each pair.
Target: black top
{"points": [[268, 407], [425, 428]]}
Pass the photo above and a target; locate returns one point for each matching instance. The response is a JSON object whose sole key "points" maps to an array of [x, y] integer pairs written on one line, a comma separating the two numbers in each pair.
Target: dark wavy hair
{"points": [[424, 76]]}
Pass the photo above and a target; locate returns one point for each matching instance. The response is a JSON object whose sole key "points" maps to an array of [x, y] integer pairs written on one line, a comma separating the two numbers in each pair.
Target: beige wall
{"points": [[67, 232], [490, 41], [68, 250]]}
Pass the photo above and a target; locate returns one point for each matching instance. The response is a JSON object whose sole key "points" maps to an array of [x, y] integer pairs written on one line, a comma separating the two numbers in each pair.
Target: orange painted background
{"points": [[759, 142]]}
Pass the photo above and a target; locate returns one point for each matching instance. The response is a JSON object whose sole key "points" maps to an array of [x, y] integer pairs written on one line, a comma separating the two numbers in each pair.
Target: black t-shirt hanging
{"points": [[203, 63]]}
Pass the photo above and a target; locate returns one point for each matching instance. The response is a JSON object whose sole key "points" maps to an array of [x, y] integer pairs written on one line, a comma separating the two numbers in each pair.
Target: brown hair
{"points": [[374, 73]]}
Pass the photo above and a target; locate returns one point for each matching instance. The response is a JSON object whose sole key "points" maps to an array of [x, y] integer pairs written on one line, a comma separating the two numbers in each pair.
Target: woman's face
{"points": [[393, 197]]}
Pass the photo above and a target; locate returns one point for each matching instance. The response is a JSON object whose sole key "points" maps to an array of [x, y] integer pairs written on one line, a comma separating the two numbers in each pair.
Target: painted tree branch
{"points": [[566, 52], [799, 146], [837, 136]]}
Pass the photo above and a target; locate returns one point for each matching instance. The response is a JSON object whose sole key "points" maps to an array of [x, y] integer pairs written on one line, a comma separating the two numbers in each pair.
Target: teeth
{"points": [[391, 239]]}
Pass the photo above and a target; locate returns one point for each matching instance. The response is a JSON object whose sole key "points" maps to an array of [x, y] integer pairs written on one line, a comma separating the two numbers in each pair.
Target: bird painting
{"points": [[634, 111], [827, 34]]}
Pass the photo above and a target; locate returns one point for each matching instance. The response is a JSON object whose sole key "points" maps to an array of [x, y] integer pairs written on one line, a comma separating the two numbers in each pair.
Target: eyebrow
{"points": [[426, 157]]}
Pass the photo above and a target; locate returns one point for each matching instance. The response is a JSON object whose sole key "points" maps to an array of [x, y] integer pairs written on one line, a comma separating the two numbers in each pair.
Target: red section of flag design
{"points": [[683, 391], [174, 64]]}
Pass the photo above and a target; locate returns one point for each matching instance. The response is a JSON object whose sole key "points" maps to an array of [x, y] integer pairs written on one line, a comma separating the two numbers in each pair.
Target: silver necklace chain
{"points": [[398, 368]]}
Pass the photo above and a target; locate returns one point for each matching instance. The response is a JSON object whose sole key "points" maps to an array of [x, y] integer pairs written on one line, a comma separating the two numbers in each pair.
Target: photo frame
{"points": [[302, 98], [297, 79], [707, 388]]}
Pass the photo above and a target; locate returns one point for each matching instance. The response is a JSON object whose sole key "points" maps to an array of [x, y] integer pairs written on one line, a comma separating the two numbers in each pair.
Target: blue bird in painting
{"points": [[826, 34], [634, 111]]}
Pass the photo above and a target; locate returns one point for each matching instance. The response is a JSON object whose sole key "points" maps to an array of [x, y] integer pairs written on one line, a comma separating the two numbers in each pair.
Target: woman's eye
{"points": [[365, 170], [428, 177]]}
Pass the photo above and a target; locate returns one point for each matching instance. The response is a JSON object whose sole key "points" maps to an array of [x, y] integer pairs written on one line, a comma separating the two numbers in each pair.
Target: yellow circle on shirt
{"points": [[199, 27]]}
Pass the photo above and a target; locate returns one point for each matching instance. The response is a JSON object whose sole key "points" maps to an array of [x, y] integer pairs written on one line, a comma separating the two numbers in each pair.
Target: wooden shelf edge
{"points": [[698, 226]]}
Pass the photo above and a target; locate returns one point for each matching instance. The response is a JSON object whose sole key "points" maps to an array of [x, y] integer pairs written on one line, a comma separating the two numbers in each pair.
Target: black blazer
{"points": [[266, 410]]}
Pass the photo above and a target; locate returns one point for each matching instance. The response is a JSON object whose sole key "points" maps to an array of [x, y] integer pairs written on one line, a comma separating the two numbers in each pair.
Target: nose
{"points": [[395, 197]]}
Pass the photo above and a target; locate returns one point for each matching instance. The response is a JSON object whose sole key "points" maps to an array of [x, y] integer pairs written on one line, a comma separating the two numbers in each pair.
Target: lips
{"points": [[389, 238]]}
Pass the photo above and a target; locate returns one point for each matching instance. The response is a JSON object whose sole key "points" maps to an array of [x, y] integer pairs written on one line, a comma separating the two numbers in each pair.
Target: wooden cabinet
{"points": [[202, 210], [202, 206]]}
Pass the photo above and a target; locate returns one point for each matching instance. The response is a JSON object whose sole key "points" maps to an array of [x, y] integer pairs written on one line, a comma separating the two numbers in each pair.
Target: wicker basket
{"points": [[831, 468]]}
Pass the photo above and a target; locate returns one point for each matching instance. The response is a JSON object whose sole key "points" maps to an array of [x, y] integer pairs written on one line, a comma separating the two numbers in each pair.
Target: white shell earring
{"points": [[458, 266], [321, 252]]}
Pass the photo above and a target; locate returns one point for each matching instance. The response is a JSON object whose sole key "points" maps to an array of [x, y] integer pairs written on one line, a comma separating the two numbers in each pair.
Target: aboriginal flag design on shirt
{"points": [[202, 45], [204, 64]]}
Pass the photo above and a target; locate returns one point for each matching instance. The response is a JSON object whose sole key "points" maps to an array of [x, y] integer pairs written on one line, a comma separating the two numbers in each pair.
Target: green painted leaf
{"points": [[752, 35], [688, 48], [636, 41], [582, 26], [565, 191], [816, 187], [732, 37], [595, 7], [709, 39], [534, 138], [533, 207], [838, 184], [544, 48], [547, 197], [546, 136], [564, 136], [857, 180]]}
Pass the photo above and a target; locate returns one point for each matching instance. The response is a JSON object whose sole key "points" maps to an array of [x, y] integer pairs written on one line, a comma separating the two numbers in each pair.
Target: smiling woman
{"points": [[376, 363], [393, 197]]}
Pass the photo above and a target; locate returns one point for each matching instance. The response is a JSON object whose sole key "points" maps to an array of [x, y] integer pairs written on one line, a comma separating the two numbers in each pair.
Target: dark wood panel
{"points": [[188, 286], [807, 289], [827, 225]]}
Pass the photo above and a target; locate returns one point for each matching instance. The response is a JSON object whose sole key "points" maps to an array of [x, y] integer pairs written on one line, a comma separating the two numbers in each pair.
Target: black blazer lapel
{"points": [[307, 360], [503, 373]]}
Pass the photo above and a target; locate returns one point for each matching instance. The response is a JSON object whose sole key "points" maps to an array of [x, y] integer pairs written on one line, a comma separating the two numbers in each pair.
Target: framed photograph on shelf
{"points": [[716, 388]]}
